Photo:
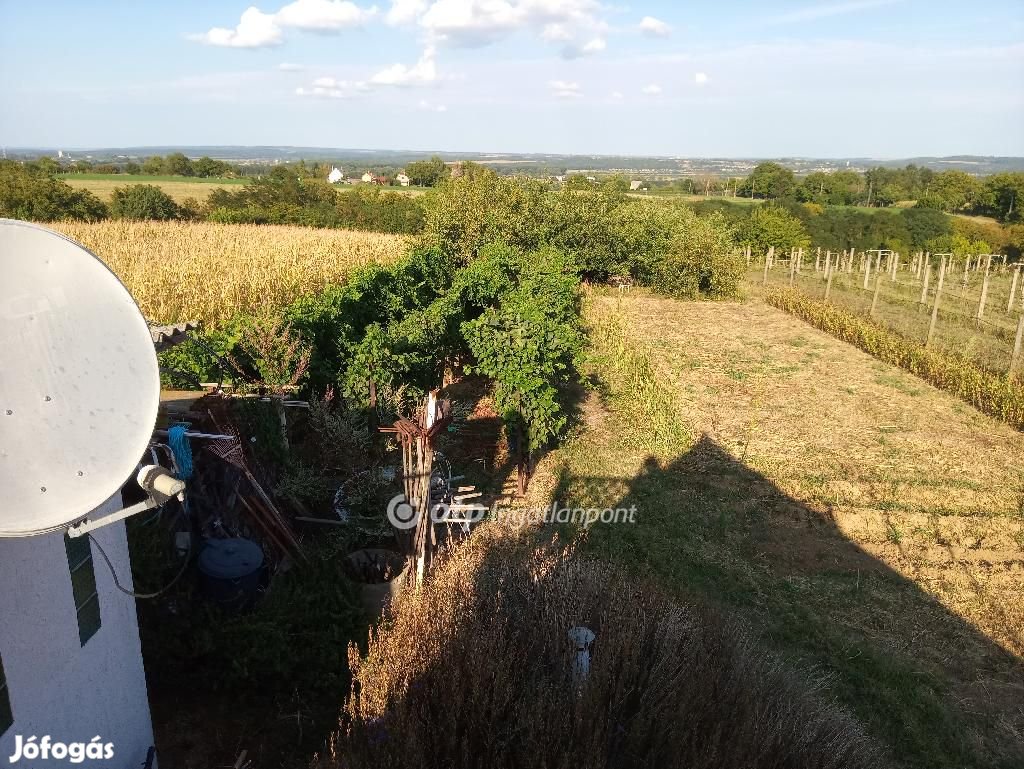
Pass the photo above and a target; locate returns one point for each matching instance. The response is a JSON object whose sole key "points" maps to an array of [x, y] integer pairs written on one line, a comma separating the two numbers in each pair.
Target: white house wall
{"points": [[58, 687]]}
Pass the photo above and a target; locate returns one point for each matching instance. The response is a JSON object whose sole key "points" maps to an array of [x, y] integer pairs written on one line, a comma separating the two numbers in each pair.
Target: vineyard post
{"points": [[799, 259], [935, 307], [792, 269], [849, 266], [967, 272], [984, 288], [1013, 288], [867, 270], [766, 259], [828, 263], [831, 272], [878, 286], [895, 264], [1016, 346], [924, 284]]}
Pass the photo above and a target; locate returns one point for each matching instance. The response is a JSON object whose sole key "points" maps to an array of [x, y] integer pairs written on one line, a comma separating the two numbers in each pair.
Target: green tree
{"points": [[206, 167], [769, 226], [142, 201], [46, 166], [26, 192], [768, 180], [1002, 196], [177, 164], [153, 166], [133, 168], [427, 173], [924, 224], [953, 190]]}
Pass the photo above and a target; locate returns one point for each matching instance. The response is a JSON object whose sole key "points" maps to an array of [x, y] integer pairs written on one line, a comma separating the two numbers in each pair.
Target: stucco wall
{"points": [[58, 687]]}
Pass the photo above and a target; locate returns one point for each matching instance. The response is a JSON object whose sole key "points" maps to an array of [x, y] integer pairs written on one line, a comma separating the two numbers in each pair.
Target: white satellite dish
{"points": [[79, 383]]}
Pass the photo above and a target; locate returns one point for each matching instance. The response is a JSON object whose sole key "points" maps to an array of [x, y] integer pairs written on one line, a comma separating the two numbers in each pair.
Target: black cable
{"points": [[133, 594]]}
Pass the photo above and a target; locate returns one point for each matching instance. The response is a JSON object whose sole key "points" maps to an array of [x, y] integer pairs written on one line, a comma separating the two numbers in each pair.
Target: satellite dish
{"points": [[79, 383]]}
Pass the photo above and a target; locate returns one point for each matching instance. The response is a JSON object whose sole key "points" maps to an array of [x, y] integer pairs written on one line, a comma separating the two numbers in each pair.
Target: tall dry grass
{"points": [[475, 670], [202, 271]]}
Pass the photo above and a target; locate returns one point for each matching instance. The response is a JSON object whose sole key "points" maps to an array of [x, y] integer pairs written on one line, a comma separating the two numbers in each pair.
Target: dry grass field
{"points": [[988, 342], [864, 522], [201, 271], [180, 190]]}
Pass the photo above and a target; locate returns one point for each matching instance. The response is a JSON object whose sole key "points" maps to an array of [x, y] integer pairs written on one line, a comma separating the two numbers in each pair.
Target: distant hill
{"points": [[528, 162]]}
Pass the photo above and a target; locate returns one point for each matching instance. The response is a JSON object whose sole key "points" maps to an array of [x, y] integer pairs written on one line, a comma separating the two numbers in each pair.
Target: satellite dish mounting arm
{"points": [[160, 486]]}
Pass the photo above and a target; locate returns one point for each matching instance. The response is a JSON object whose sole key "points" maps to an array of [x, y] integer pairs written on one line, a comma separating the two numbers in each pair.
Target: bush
{"points": [[770, 226], [478, 207], [995, 394], [143, 201], [30, 193], [294, 638], [601, 232], [282, 197], [476, 670]]}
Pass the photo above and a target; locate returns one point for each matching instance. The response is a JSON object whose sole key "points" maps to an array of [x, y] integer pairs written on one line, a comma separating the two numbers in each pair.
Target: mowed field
{"points": [[181, 188], [867, 525], [178, 187], [181, 271]]}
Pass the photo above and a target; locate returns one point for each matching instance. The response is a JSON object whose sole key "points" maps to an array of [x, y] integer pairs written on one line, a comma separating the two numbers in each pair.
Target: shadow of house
{"points": [[477, 670], [928, 684]]}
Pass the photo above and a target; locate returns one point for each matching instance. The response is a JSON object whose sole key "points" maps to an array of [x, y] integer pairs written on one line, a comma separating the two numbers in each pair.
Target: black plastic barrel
{"points": [[231, 570]]}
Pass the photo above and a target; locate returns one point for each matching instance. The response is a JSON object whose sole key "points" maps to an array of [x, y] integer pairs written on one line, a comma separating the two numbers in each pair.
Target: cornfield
{"points": [[203, 271]]}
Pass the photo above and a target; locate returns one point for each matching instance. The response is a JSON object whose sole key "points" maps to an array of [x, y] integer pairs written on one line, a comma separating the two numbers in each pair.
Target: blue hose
{"points": [[178, 442]]}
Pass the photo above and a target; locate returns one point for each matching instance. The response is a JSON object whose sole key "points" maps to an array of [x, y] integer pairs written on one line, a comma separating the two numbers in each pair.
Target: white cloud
{"points": [[328, 87], [405, 11], [595, 46], [824, 10], [287, 66], [423, 72], [576, 24], [257, 29], [616, 94], [652, 89], [653, 27], [564, 89], [700, 78]]}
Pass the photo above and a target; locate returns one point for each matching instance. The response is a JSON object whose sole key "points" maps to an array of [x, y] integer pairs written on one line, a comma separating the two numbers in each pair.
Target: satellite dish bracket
{"points": [[160, 486]]}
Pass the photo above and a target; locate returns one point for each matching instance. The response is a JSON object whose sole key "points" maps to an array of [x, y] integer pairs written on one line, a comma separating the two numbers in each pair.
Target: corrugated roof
{"points": [[165, 337]]}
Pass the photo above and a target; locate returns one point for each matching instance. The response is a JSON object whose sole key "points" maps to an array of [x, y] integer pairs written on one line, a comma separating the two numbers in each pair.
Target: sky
{"points": [[698, 78]]}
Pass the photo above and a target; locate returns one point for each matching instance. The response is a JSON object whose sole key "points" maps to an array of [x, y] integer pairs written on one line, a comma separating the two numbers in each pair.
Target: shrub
{"points": [[770, 226], [992, 393], [478, 207], [143, 201], [30, 193], [476, 670]]}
